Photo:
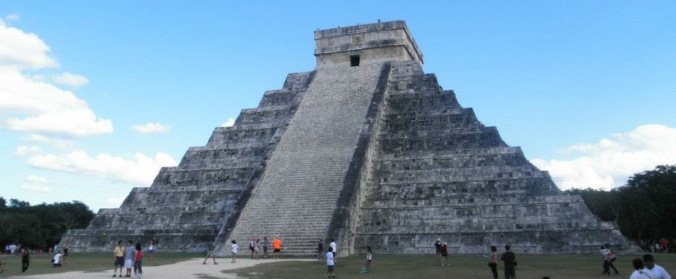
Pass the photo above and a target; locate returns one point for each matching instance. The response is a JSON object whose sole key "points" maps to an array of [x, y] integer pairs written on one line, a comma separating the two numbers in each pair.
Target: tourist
{"points": [[252, 247], [444, 254], [608, 259], [604, 257], [640, 272], [266, 245], [330, 263], [437, 248], [65, 252], [25, 259], [320, 249], [119, 257], [333, 249], [658, 271], [665, 245], [56, 261], [257, 248], [210, 252], [233, 249], [129, 257], [510, 262], [151, 250], [493, 261], [138, 261], [369, 257], [277, 247]]}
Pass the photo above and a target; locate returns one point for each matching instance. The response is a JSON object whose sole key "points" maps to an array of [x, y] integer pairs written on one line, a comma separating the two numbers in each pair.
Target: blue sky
{"points": [[95, 96]]}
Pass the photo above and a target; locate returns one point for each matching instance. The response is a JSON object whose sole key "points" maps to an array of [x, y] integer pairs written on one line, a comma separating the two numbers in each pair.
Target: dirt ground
{"points": [[187, 269]]}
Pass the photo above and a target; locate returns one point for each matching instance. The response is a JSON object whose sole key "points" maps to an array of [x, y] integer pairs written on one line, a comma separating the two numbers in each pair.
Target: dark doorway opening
{"points": [[354, 60]]}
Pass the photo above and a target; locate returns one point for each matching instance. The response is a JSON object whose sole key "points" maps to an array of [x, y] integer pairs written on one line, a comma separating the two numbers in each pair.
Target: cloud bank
{"points": [[609, 162], [30, 105], [138, 170]]}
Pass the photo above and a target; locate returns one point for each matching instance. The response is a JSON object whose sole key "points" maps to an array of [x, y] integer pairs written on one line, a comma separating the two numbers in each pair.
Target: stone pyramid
{"points": [[366, 149]]}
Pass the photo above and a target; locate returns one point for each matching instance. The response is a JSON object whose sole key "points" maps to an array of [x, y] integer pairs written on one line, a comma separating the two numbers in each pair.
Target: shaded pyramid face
{"points": [[366, 149]]}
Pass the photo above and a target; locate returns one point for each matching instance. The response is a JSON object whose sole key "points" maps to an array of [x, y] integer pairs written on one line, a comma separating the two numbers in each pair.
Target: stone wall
{"points": [[374, 43], [188, 205], [372, 155], [437, 172]]}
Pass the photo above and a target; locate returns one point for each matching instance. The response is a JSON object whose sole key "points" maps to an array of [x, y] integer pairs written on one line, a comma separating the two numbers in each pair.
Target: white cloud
{"points": [[23, 150], [139, 170], [22, 50], [69, 79], [609, 162], [31, 105], [229, 123], [36, 179], [151, 128], [36, 188], [115, 202], [34, 183], [12, 17], [61, 144]]}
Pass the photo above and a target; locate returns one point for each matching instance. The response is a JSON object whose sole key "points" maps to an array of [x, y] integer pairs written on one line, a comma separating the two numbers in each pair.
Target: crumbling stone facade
{"points": [[366, 149]]}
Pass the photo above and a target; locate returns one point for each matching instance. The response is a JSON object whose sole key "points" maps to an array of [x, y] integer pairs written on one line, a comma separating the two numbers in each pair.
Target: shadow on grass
{"points": [[465, 266]]}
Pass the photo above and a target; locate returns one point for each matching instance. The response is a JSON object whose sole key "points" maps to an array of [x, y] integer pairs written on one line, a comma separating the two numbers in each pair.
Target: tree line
{"points": [[40, 226], [644, 208]]}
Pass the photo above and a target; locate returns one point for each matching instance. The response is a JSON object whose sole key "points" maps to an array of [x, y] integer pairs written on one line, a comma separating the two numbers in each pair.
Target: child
{"points": [[138, 261], [234, 251], [369, 256], [330, 263], [56, 262], [151, 249]]}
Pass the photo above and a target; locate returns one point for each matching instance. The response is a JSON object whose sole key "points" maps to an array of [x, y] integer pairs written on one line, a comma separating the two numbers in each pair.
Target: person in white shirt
{"points": [[658, 271], [56, 262], [640, 272], [330, 263], [333, 246], [234, 248]]}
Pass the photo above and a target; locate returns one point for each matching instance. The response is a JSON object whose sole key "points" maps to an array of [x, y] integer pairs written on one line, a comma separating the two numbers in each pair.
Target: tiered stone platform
{"points": [[188, 205], [366, 149]]}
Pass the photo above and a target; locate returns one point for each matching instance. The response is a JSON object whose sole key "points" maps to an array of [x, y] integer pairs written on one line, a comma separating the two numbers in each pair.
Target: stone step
{"points": [[314, 151]]}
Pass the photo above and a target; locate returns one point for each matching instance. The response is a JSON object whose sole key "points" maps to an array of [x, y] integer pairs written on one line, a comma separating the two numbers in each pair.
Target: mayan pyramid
{"points": [[366, 149]]}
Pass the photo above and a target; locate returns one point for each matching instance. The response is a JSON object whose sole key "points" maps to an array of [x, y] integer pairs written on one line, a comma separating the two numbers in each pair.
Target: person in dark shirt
{"points": [[437, 247], [25, 259], [510, 261], [320, 249]]}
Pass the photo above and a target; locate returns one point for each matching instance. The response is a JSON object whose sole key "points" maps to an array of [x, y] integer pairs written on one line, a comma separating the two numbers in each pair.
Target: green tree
{"points": [[42, 224], [645, 205], [599, 202]]}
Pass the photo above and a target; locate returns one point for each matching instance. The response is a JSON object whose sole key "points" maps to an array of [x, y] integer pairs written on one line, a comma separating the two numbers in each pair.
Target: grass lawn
{"points": [[383, 266], [465, 266], [41, 263]]}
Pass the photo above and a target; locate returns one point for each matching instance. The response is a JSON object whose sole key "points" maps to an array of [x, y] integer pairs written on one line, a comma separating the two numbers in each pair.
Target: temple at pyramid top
{"points": [[366, 44]]}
